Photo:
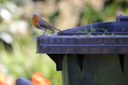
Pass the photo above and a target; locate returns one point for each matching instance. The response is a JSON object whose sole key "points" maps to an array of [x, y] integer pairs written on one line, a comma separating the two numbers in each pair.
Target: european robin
{"points": [[41, 24]]}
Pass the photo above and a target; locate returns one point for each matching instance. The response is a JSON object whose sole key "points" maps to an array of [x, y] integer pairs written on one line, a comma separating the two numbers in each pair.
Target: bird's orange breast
{"points": [[35, 21]]}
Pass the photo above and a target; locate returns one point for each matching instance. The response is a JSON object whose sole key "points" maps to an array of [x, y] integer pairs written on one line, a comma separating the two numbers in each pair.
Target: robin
{"points": [[41, 24]]}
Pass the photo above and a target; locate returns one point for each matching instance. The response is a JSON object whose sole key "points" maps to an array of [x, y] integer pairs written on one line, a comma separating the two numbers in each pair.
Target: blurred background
{"points": [[18, 55]]}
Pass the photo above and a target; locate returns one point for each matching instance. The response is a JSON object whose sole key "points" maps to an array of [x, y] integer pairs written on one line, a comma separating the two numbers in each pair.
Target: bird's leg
{"points": [[44, 31]]}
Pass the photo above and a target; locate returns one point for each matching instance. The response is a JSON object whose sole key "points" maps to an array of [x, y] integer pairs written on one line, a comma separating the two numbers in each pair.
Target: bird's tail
{"points": [[53, 28]]}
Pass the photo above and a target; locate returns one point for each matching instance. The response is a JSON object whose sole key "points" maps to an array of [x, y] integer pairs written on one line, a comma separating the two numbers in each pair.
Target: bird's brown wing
{"points": [[44, 24]]}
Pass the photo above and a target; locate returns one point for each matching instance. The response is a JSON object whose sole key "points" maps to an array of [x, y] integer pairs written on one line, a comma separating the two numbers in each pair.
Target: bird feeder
{"points": [[95, 54]]}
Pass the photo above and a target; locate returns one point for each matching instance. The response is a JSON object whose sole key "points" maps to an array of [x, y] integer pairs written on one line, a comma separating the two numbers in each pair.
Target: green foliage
{"points": [[25, 62], [53, 17], [89, 15], [3, 1]]}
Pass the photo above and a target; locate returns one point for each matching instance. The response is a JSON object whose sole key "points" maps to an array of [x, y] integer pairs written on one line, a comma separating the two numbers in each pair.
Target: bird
{"points": [[41, 24]]}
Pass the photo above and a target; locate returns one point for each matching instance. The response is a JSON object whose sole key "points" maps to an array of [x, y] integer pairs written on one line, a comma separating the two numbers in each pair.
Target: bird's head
{"points": [[35, 15], [35, 20]]}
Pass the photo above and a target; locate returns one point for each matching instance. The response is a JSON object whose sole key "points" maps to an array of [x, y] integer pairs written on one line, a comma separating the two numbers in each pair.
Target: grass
{"points": [[91, 30]]}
